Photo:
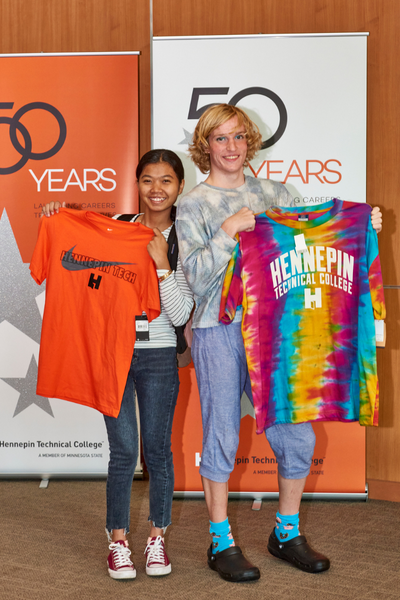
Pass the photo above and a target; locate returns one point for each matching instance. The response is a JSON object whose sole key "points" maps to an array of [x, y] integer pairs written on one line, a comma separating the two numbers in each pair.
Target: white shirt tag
{"points": [[300, 242], [380, 333]]}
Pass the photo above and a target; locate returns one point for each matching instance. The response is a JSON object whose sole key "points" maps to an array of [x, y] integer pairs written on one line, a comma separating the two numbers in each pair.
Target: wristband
{"points": [[160, 279]]}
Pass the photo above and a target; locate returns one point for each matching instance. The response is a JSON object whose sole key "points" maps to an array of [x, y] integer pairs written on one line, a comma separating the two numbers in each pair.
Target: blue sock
{"points": [[222, 537], [286, 527]]}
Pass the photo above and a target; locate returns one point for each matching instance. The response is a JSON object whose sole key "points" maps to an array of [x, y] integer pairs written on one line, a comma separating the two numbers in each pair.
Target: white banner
{"points": [[307, 94]]}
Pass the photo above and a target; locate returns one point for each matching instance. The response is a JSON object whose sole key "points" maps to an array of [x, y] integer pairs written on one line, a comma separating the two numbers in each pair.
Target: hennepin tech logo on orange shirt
{"points": [[75, 262]]}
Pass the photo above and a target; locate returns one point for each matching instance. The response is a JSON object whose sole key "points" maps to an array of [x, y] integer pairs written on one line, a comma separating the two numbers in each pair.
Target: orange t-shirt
{"points": [[99, 276]]}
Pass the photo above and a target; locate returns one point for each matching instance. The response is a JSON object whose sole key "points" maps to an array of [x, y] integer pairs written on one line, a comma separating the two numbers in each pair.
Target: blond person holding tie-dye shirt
{"points": [[208, 219]]}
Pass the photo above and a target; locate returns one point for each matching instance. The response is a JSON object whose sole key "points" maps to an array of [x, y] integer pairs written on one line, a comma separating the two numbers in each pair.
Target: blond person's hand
{"points": [[376, 219], [51, 208], [243, 220], [158, 250]]}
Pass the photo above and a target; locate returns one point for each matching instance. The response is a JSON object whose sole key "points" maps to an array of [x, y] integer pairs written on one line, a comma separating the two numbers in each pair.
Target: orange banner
{"points": [[68, 132], [338, 463]]}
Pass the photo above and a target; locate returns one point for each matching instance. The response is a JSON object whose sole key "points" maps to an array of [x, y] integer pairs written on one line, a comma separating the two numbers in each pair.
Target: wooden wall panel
{"points": [[383, 442]]}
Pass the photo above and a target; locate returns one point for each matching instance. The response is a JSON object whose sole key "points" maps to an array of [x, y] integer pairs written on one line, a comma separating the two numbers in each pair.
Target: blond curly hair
{"points": [[214, 117]]}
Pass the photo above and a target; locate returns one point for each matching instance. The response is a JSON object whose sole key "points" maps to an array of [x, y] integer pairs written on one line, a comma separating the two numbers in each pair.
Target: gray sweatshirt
{"points": [[205, 249]]}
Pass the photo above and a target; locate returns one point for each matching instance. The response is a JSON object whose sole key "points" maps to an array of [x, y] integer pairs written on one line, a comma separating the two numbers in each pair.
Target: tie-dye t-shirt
{"points": [[308, 317]]}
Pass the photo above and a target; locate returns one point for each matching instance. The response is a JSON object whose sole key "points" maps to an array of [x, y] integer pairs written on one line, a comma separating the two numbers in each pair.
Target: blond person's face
{"points": [[227, 148]]}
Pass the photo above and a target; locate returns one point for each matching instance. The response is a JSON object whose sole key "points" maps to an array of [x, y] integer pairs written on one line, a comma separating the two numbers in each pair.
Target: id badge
{"points": [[142, 328]]}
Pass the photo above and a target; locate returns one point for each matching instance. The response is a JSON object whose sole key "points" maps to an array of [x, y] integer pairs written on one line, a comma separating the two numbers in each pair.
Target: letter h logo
{"points": [[94, 282], [310, 299]]}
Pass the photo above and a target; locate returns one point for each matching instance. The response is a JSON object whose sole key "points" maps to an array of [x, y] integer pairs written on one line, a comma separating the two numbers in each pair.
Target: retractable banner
{"points": [[307, 94], [68, 132]]}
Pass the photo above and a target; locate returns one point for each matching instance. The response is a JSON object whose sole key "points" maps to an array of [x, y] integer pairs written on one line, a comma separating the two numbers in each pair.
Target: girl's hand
{"points": [[51, 208], [158, 250], [376, 219]]}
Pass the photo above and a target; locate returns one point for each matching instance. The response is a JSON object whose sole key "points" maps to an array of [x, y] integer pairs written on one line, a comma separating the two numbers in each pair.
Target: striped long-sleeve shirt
{"points": [[176, 306]]}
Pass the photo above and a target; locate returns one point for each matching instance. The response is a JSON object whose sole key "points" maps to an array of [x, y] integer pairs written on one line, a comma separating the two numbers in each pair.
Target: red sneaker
{"points": [[119, 564], [157, 562]]}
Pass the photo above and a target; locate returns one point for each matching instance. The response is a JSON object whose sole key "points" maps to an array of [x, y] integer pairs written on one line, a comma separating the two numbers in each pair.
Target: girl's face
{"points": [[159, 186]]}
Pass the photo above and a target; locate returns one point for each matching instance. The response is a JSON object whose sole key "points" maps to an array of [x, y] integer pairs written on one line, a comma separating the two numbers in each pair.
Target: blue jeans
{"points": [[154, 375]]}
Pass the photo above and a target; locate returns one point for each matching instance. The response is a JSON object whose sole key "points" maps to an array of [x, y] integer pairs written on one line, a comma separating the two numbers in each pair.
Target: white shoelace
{"points": [[121, 555], [155, 551]]}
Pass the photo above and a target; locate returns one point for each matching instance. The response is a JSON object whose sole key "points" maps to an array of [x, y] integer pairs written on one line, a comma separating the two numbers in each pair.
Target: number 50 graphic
{"points": [[195, 112], [15, 124]]}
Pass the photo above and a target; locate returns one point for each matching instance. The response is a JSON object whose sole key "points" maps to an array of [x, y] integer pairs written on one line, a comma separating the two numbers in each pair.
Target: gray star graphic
{"points": [[187, 140], [18, 290], [27, 388], [246, 407]]}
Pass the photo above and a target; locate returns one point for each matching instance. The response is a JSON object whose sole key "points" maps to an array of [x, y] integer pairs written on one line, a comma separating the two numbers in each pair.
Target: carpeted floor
{"points": [[54, 548]]}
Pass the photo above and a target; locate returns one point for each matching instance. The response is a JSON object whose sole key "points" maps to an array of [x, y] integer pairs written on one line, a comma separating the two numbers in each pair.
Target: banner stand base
{"points": [[258, 497], [70, 476]]}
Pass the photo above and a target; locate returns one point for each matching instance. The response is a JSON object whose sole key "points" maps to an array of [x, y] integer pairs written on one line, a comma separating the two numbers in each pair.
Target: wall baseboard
{"points": [[383, 490]]}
